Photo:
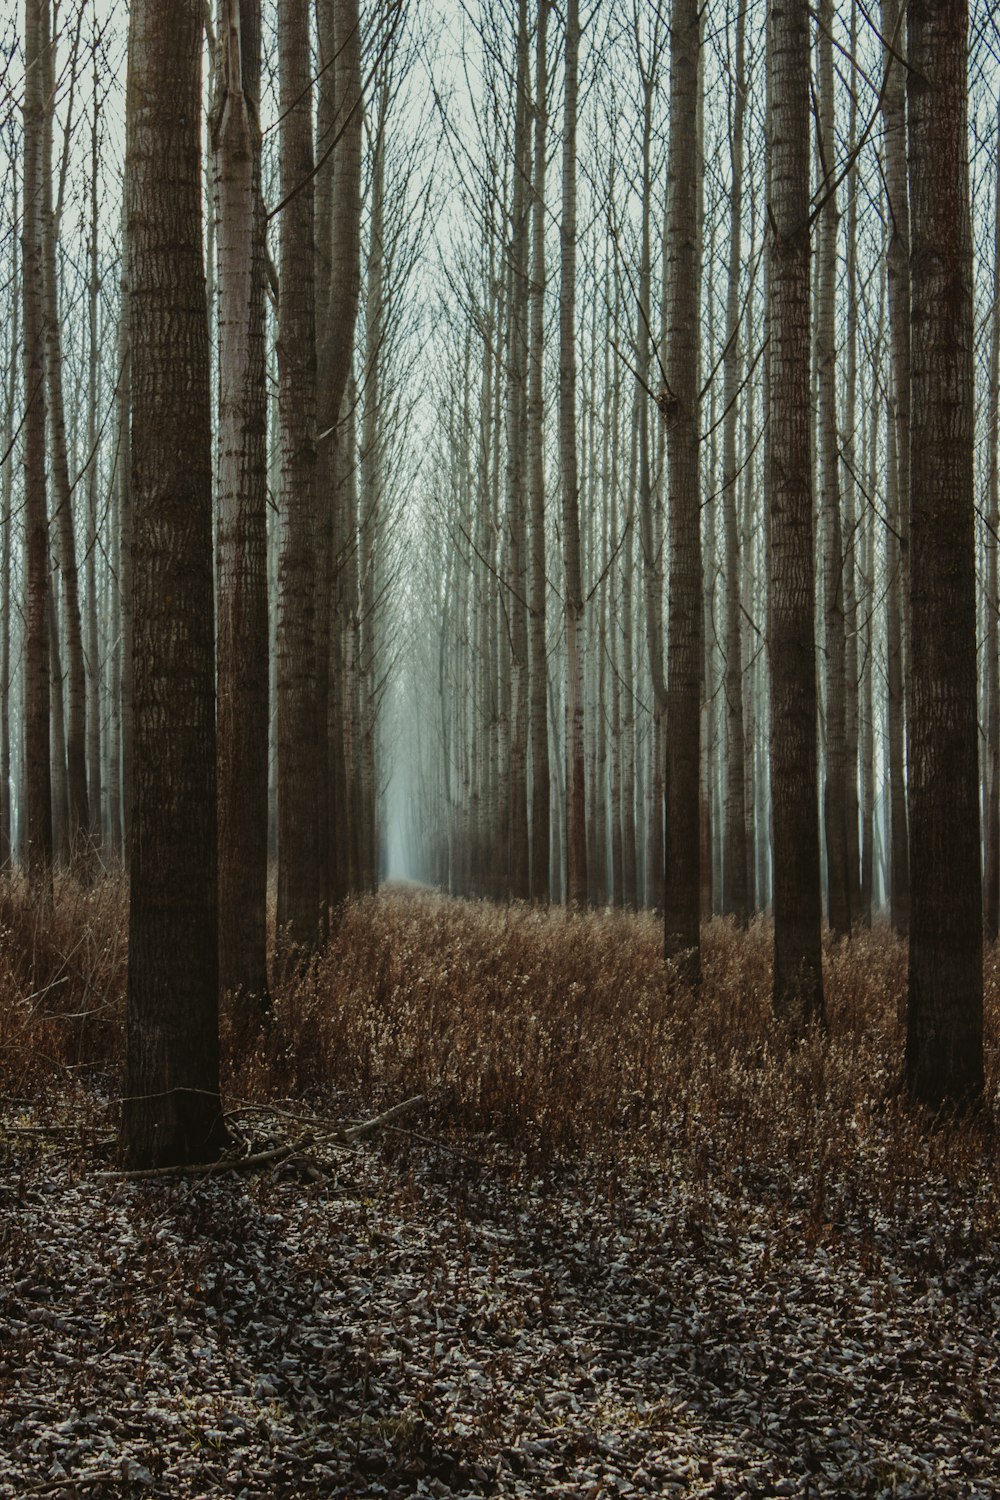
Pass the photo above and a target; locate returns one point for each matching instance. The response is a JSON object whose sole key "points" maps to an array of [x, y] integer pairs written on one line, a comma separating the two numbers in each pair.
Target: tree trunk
{"points": [[944, 1033], [897, 564], [241, 555], [735, 902], [93, 708], [835, 790], [576, 790], [540, 771], [79, 831], [171, 1112], [298, 910], [338, 261], [36, 730], [991, 799], [798, 983], [681, 411]]}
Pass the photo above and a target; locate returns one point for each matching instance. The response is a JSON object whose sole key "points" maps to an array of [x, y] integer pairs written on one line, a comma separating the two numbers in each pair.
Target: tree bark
{"points": [[735, 902], [944, 1033], [36, 729], [171, 1113], [681, 410], [897, 562], [991, 798], [540, 772], [576, 789], [298, 908], [241, 553], [835, 790], [79, 832], [798, 984]]}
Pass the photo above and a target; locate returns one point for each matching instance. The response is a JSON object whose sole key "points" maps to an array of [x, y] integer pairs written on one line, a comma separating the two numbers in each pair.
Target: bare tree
{"points": [[241, 554], [681, 408], [798, 984], [170, 1109], [944, 1034]]}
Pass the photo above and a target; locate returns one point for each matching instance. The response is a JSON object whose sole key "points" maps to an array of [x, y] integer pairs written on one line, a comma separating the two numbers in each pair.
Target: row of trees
{"points": [[698, 414], [213, 690], [665, 643]]}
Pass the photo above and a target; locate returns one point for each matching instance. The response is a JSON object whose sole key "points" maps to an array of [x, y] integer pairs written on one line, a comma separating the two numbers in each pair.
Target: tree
{"points": [[735, 900], [298, 912], [576, 790], [38, 785], [682, 412], [899, 479], [944, 1031], [835, 799], [540, 774], [171, 1112], [798, 985], [242, 507]]}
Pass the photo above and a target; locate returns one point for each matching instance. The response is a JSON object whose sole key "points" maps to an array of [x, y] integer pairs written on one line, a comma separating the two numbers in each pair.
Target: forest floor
{"points": [[632, 1242]]}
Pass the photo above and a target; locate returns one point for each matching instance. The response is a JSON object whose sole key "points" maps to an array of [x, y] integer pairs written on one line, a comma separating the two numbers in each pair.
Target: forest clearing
{"points": [[633, 1241]]}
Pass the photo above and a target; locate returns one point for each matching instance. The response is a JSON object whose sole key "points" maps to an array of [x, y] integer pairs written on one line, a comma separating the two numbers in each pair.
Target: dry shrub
{"points": [[560, 1031], [62, 984], [555, 1031]]}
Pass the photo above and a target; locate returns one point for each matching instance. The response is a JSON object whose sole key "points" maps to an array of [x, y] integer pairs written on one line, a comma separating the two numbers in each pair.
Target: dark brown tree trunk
{"points": [[894, 120], [36, 729], [576, 787], [835, 790], [298, 909], [991, 790], [735, 900], [338, 261], [681, 411], [241, 554], [944, 1033], [171, 1112], [78, 832], [798, 982]]}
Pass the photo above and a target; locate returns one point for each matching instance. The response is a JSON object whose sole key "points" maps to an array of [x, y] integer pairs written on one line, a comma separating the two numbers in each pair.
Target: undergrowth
{"points": [[556, 1032]]}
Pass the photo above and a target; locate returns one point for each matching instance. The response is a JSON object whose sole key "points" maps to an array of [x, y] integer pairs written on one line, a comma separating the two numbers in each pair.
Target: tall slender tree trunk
{"points": [[298, 908], [798, 983], [944, 1034], [93, 663], [79, 831], [6, 548], [36, 733], [516, 392], [681, 411], [576, 788], [540, 771], [835, 790], [735, 900], [991, 799], [241, 553], [897, 564], [338, 260], [171, 1112]]}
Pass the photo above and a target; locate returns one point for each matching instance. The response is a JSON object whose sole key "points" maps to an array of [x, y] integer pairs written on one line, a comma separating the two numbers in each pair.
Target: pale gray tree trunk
{"points": [[576, 788]]}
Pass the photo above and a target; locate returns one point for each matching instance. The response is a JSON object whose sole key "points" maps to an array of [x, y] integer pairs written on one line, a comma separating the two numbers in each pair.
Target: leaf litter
{"points": [[403, 1320]]}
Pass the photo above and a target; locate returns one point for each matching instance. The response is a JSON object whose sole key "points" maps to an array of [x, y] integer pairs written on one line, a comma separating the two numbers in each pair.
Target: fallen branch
{"points": [[276, 1154]]}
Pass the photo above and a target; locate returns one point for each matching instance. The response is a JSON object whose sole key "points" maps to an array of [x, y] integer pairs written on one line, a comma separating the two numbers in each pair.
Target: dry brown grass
{"points": [[556, 1032]]}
